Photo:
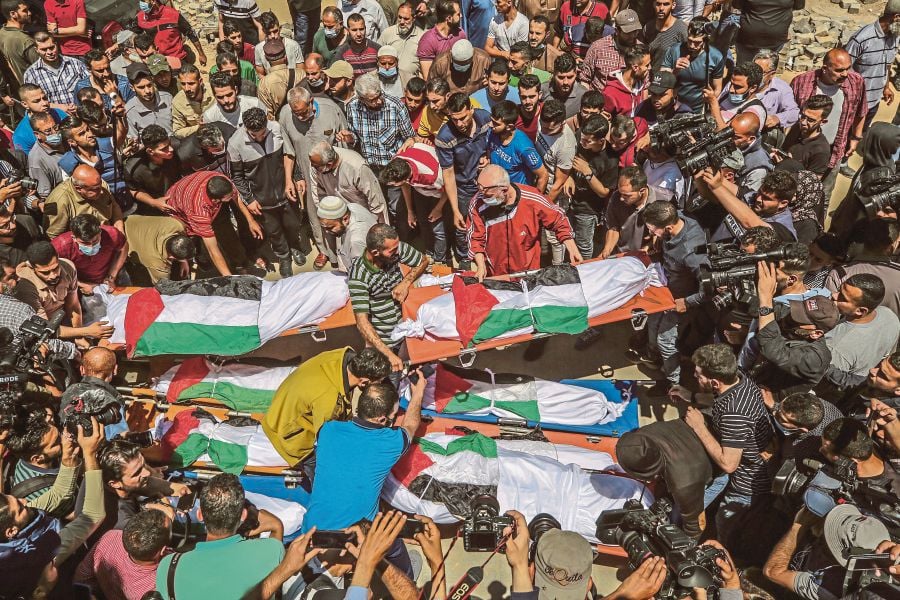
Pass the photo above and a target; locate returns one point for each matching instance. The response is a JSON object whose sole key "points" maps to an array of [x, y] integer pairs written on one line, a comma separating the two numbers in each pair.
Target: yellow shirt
{"points": [[431, 123]]}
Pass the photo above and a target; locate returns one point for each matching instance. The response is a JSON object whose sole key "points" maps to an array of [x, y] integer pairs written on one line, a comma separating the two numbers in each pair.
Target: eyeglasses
{"points": [[483, 188], [50, 131]]}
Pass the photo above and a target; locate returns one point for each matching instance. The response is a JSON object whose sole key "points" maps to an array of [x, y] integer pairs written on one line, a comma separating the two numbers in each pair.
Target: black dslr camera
{"points": [[710, 152], [732, 268], [29, 184], [23, 355], [673, 136], [647, 532], [81, 401], [483, 530], [879, 189]]}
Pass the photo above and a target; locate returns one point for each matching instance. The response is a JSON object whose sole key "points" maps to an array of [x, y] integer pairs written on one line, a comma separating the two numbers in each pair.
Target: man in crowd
{"points": [[347, 222], [805, 141], [83, 192], [404, 36], [606, 55], [55, 73]]}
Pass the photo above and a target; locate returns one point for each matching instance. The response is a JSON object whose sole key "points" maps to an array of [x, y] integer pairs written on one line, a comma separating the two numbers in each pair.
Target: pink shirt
{"points": [[433, 43], [66, 14], [108, 567]]}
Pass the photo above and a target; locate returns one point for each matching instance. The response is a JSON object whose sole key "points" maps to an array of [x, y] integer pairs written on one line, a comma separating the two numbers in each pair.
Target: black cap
{"points": [[662, 82], [136, 70]]}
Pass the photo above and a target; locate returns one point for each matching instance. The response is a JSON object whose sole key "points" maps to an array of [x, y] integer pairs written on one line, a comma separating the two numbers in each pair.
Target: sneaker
{"points": [[660, 389], [320, 262], [588, 337], [285, 268], [639, 357], [848, 171], [299, 257]]}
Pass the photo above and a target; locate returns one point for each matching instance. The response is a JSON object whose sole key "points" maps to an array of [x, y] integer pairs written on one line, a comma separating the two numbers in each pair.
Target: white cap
{"points": [[462, 51], [331, 207], [123, 36], [387, 51]]}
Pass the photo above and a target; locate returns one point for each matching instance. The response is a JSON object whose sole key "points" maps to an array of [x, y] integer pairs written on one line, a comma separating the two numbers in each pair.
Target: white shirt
{"points": [[505, 36], [372, 14], [557, 151], [235, 119]]}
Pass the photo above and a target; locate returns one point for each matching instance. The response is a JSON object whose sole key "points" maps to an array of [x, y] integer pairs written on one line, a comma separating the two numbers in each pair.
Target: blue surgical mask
{"points": [[89, 250], [460, 68], [492, 200], [330, 33], [144, 6], [388, 73], [54, 139], [737, 98], [783, 429]]}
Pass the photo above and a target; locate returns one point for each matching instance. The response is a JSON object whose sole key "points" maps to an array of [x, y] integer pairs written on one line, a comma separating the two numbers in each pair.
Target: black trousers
{"points": [[282, 227]]}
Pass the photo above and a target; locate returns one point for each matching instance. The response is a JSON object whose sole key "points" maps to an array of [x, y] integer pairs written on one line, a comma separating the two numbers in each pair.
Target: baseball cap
{"points": [[892, 7], [662, 82], [462, 51], [818, 310], [846, 528], [331, 207], [339, 69], [157, 63], [136, 70], [388, 51], [274, 49], [123, 37], [562, 562], [627, 21]]}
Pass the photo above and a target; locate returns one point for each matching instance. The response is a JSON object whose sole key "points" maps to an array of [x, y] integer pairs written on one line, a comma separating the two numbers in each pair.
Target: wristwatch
{"points": [[765, 311]]}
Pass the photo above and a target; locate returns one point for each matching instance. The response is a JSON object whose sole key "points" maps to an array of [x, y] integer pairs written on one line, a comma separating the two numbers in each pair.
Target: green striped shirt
{"points": [[371, 287]]}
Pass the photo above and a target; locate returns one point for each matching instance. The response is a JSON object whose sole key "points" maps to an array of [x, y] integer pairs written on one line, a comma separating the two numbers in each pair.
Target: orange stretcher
{"points": [[653, 300]]}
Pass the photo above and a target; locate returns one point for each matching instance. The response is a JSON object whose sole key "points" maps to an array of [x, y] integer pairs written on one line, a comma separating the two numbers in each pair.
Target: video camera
{"points": [[23, 357], [672, 136], [879, 189], [818, 482], [709, 152], [86, 401], [483, 530], [646, 532], [732, 268]]}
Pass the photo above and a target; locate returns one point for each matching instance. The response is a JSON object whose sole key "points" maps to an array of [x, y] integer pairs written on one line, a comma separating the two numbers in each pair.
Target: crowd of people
{"points": [[382, 138]]}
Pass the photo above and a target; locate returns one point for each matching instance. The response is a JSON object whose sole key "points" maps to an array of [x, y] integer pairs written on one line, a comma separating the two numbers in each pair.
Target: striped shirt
{"points": [[192, 205], [58, 83], [371, 288], [108, 568], [740, 420], [380, 132], [602, 59], [872, 52], [237, 9]]}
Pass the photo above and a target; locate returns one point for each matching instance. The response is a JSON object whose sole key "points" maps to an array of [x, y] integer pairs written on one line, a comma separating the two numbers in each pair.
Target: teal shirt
{"points": [[248, 71], [226, 568]]}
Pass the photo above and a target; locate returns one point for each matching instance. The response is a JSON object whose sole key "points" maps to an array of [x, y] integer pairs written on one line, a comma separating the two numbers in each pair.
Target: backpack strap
{"points": [[29, 486], [170, 576]]}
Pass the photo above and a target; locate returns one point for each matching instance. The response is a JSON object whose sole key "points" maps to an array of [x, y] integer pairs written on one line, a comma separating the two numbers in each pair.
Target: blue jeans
{"points": [[435, 233], [305, 26], [662, 330], [584, 226], [714, 489]]}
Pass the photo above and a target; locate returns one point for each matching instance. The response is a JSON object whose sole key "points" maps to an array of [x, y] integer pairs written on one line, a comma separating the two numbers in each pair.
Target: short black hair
{"points": [[371, 364], [457, 102], [752, 71], [85, 226], [36, 118], [93, 113], [506, 111], [143, 41], [698, 27], [592, 99], [498, 67], [355, 17], [717, 361], [881, 234], [219, 187], [221, 79], [114, 456], [416, 86], [377, 235], [30, 426], [660, 214], [68, 125], [153, 134], [593, 29], [635, 176], [189, 69], [40, 253], [230, 26], [635, 54], [181, 247], [529, 81], [93, 55], [553, 111], [804, 409], [444, 9], [819, 102], [524, 48], [871, 286], [268, 20], [438, 86], [396, 171], [225, 54], [797, 258], [781, 184], [596, 126], [849, 438], [222, 503], [764, 238], [377, 400], [564, 63], [254, 119], [146, 534]]}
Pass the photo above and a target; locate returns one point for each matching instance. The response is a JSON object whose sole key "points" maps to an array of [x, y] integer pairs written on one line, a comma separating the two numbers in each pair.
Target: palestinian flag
{"points": [[454, 390], [197, 436], [441, 474], [224, 316], [550, 301], [241, 387]]}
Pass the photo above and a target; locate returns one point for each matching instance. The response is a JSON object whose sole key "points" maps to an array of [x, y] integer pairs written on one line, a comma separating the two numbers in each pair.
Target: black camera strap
{"points": [[170, 576]]}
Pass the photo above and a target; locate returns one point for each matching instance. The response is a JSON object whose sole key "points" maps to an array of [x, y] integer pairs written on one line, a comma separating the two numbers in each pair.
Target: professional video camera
{"points": [[839, 482], [732, 268], [709, 152], [682, 131], [646, 532], [879, 189], [483, 530], [24, 357]]}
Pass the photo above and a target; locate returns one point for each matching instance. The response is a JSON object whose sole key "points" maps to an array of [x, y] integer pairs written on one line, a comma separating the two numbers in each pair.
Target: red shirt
{"points": [[530, 128], [66, 14], [91, 269], [193, 206], [108, 567], [248, 53], [510, 236]]}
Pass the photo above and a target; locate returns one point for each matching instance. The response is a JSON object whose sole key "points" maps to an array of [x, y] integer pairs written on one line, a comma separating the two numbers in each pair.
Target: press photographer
{"points": [[767, 208]]}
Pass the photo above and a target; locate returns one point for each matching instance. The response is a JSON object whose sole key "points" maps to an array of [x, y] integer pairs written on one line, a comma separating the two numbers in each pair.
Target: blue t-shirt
{"points": [[463, 152], [126, 92], [353, 459], [485, 101], [519, 158], [23, 136], [692, 80], [106, 166]]}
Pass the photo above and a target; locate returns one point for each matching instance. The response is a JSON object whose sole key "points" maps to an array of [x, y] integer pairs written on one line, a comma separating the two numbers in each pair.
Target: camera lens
{"points": [[540, 524]]}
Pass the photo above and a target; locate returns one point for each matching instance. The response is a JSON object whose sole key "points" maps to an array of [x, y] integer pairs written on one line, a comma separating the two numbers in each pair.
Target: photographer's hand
{"points": [[384, 531], [90, 444], [644, 583], [730, 578], [70, 450], [517, 544], [298, 554], [766, 284], [893, 549], [430, 541]]}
